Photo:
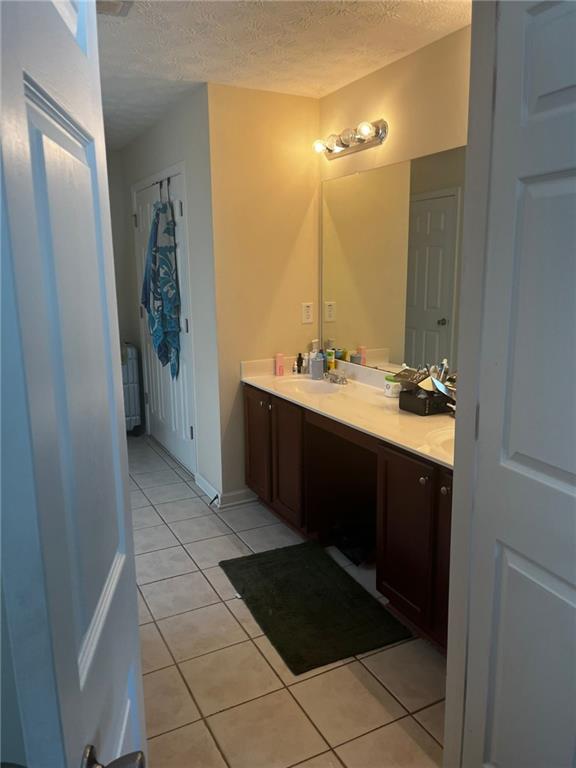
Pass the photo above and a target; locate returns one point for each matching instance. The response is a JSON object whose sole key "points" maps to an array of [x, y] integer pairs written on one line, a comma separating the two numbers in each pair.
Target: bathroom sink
{"points": [[443, 438], [441, 441], [308, 387]]}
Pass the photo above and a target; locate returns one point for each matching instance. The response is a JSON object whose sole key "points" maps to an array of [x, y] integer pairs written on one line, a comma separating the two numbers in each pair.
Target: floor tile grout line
{"points": [[286, 687], [177, 728], [372, 730], [190, 610], [385, 687], [328, 752], [427, 731], [369, 654]]}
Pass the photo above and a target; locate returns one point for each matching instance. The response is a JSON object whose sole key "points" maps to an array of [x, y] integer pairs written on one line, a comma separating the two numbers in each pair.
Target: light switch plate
{"points": [[307, 312], [329, 311]]}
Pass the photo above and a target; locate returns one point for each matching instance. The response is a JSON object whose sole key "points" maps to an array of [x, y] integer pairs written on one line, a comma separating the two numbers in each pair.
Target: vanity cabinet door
{"points": [[406, 491], [287, 421], [442, 557], [257, 442]]}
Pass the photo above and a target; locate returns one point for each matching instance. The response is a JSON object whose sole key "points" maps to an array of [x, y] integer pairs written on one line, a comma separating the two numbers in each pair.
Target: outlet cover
{"points": [[329, 311], [307, 312]]}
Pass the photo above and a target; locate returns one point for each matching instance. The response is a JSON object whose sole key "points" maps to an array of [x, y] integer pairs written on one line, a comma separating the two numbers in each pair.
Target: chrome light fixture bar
{"points": [[365, 135]]}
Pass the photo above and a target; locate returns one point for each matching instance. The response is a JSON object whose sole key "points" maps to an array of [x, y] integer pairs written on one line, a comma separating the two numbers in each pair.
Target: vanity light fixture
{"points": [[350, 140]]}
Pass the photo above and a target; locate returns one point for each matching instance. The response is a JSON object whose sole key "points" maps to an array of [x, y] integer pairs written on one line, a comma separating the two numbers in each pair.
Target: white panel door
{"points": [[170, 411], [430, 284], [521, 676], [68, 565]]}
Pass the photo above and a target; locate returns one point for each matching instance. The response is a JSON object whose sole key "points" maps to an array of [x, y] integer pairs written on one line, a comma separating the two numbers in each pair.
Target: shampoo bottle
{"points": [[279, 364]]}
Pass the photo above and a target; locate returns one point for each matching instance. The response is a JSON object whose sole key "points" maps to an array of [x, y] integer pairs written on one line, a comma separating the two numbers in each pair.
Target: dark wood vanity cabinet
{"points": [[257, 434], [439, 625], [286, 439], [414, 515], [345, 479], [405, 533], [273, 452]]}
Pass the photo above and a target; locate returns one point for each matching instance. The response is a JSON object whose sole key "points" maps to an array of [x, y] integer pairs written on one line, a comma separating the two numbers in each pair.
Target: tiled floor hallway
{"points": [[217, 694]]}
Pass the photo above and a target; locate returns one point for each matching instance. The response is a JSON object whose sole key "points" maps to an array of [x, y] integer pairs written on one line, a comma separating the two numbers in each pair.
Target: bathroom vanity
{"points": [[333, 461]]}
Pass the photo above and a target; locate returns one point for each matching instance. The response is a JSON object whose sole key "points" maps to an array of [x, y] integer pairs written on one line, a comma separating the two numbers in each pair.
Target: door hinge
{"points": [[135, 217], [191, 433], [181, 209], [477, 421], [187, 325], [140, 309], [146, 397]]}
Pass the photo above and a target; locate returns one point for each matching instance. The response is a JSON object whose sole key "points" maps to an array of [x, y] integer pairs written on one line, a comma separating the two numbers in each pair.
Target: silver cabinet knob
{"points": [[423, 480], [269, 406], [444, 490], [261, 403]]}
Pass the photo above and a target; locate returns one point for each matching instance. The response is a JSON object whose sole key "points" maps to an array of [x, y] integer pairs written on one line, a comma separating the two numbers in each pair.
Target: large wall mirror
{"points": [[390, 261]]}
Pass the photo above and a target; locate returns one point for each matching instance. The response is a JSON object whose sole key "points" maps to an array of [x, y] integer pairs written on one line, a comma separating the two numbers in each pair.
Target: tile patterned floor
{"points": [[217, 694]]}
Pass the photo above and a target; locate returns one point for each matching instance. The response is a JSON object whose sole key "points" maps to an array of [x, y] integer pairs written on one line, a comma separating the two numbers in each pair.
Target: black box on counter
{"points": [[433, 403]]}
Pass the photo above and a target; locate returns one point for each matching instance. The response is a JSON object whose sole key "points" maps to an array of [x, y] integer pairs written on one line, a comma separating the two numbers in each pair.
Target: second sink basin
{"points": [[308, 386]]}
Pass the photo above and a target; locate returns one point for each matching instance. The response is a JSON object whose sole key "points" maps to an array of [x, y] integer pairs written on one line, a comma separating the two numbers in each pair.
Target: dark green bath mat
{"points": [[312, 611]]}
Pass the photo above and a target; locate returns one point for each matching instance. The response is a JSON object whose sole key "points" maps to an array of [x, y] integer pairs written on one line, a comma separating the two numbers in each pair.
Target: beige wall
{"points": [[253, 190], [265, 211], [424, 98], [183, 137], [444, 170], [122, 242], [364, 255]]}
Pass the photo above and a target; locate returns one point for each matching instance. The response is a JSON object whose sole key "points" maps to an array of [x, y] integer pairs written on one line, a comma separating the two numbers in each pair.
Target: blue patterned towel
{"points": [[160, 290]]}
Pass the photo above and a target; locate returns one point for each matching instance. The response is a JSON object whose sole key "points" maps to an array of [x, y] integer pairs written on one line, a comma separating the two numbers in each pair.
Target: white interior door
{"points": [[430, 285], [67, 560], [170, 412], [521, 673]]}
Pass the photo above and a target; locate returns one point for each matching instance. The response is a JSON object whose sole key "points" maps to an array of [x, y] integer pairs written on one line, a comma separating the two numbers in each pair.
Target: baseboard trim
{"points": [[207, 487], [234, 498]]}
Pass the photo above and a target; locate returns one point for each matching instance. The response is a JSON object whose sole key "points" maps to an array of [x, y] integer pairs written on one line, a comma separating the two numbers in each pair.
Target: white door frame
{"points": [[455, 192], [472, 263], [178, 169]]}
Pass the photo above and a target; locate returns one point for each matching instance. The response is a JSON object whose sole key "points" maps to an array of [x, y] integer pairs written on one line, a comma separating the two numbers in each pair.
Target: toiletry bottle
{"points": [[315, 344], [299, 363], [294, 367], [362, 353], [330, 359], [306, 363], [325, 361], [279, 364], [317, 365]]}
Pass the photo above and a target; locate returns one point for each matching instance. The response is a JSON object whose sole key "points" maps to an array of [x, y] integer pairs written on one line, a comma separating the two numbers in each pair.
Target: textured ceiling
{"points": [[163, 48]]}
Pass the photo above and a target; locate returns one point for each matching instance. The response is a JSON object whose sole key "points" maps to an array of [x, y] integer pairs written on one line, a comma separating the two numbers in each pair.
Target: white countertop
{"points": [[365, 408]]}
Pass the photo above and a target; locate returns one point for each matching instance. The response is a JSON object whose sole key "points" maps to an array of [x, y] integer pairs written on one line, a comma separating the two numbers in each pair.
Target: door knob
{"points": [[423, 480], [442, 321], [132, 760]]}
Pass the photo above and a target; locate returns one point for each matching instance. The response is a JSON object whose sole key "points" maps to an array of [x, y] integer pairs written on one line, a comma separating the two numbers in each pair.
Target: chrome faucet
{"points": [[334, 378]]}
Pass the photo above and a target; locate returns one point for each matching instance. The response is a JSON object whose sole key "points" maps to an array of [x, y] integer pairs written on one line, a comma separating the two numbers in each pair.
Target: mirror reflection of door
{"points": [[430, 286]]}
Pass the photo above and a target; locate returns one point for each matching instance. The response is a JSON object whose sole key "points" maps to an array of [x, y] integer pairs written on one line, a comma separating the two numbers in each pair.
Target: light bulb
{"points": [[366, 131], [348, 137], [333, 143], [319, 146]]}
